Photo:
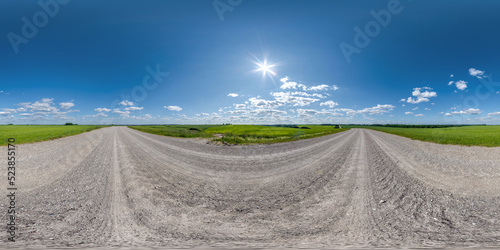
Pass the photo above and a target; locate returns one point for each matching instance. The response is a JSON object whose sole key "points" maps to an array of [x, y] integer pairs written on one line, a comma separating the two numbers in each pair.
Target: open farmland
{"points": [[359, 188], [488, 136], [37, 133], [242, 134]]}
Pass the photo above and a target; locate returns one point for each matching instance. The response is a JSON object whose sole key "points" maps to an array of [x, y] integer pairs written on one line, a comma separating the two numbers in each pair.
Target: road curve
{"points": [[361, 188]]}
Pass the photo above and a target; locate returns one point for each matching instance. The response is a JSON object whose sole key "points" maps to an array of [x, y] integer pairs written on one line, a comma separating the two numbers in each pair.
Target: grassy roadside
{"points": [[488, 136], [242, 134], [37, 133]]}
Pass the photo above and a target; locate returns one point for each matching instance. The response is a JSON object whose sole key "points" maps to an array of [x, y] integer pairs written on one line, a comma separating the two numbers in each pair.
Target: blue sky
{"points": [[151, 62]]}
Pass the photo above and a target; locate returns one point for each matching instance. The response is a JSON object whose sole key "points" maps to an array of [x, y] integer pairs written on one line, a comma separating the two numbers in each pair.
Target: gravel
{"points": [[118, 187]]}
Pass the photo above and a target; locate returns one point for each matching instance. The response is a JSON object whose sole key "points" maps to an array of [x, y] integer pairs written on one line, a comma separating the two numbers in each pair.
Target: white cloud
{"points": [[262, 103], [173, 108], [66, 105], [321, 87], [376, 110], [451, 75], [10, 111], [470, 111], [102, 110], [415, 108], [461, 85], [288, 98], [122, 113], [148, 116], [134, 108], [239, 106], [408, 113], [291, 85], [101, 115], [330, 104], [494, 113], [299, 93], [267, 112], [232, 95], [419, 115], [126, 103], [421, 96], [477, 73], [233, 112]]}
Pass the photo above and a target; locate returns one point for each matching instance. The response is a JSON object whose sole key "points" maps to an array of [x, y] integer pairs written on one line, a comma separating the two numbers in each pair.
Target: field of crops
{"points": [[241, 134], [488, 136], [36, 133]]}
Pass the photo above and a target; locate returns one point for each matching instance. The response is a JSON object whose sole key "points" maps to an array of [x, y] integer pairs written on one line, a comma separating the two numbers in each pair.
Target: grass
{"points": [[37, 133], [185, 131], [488, 136], [242, 134]]}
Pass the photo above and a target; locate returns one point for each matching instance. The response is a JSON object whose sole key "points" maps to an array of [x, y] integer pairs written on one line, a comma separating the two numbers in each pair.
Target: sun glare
{"points": [[265, 68]]}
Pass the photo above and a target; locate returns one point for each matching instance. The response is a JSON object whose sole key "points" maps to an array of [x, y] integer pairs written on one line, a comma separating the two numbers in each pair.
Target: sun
{"points": [[265, 68]]}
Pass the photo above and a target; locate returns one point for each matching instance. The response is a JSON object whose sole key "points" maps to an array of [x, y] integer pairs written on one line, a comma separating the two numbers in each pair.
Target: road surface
{"points": [[360, 188]]}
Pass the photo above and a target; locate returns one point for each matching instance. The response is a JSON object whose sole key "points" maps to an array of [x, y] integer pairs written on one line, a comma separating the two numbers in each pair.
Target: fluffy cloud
{"points": [[419, 115], [102, 110], [470, 111], [320, 87], [126, 103], [232, 95], [66, 105], [134, 108], [299, 93], [288, 98], [477, 73], [376, 110], [461, 85], [262, 103], [330, 104], [173, 108], [239, 106], [101, 115], [291, 85], [408, 113], [122, 113], [494, 113], [309, 112], [267, 112], [287, 84], [420, 96]]}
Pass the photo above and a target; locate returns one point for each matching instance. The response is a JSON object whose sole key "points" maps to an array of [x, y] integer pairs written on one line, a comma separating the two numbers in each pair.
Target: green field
{"points": [[242, 134], [185, 131], [488, 136], [36, 133]]}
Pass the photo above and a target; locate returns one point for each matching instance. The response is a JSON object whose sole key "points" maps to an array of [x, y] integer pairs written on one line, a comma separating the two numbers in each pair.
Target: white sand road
{"points": [[120, 187]]}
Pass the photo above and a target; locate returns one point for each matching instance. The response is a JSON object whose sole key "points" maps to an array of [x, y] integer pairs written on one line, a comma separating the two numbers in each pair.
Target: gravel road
{"points": [[360, 188]]}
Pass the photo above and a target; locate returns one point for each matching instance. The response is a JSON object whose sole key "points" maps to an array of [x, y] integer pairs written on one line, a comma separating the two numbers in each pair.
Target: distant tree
{"points": [[69, 123]]}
